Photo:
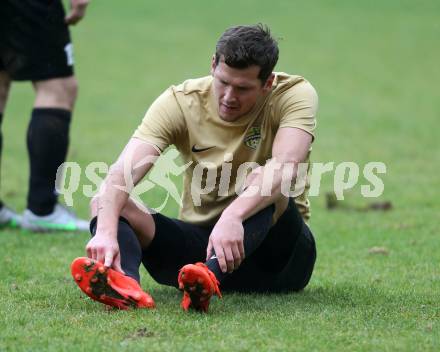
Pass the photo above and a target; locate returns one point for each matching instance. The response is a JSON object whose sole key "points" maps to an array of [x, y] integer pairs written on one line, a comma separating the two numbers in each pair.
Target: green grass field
{"points": [[376, 68]]}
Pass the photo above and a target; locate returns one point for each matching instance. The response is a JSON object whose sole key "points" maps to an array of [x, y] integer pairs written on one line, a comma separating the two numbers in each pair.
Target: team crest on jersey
{"points": [[253, 137]]}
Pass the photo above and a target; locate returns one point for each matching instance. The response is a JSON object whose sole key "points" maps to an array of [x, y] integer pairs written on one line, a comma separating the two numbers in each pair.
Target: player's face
{"points": [[237, 90]]}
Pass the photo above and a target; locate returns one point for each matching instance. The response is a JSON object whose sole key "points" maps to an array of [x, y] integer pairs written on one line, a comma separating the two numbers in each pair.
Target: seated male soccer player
{"points": [[243, 112]]}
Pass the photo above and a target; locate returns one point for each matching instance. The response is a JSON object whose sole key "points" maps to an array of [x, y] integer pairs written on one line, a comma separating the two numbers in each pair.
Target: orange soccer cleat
{"points": [[108, 286], [198, 284]]}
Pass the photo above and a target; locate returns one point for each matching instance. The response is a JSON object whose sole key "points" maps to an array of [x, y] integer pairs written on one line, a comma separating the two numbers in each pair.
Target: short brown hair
{"points": [[244, 46]]}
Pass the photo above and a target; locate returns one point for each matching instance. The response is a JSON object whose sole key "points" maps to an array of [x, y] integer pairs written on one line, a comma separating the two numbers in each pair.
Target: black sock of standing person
{"points": [[129, 247], [1, 148], [255, 230], [47, 142]]}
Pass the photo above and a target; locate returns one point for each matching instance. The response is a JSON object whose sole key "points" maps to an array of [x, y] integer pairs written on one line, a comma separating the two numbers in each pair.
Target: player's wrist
{"points": [[106, 229], [230, 215]]}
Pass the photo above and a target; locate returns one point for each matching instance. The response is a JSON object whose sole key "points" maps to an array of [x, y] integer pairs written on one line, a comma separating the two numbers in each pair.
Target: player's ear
{"points": [[213, 65], [269, 82]]}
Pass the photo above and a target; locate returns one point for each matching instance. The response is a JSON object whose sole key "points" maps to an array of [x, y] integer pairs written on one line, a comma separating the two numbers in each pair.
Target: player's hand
{"points": [[105, 249], [226, 240], [77, 11]]}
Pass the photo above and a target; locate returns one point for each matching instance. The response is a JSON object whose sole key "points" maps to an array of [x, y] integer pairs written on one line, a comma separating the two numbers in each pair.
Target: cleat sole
{"points": [[108, 286], [198, 284]]}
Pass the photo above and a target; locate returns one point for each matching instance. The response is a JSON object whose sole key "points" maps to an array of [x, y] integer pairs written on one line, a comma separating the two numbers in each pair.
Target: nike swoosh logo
{"points": [[194, 149]]}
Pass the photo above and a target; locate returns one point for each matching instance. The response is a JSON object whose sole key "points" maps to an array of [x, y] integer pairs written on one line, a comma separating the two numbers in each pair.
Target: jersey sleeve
{"points": [[298, 107], [163, 122]]}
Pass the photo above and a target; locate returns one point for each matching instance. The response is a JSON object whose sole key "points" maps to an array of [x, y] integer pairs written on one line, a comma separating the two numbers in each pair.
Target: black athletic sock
{"points": [[255, 231], [47, 142], [1, 148], [129, 247]]}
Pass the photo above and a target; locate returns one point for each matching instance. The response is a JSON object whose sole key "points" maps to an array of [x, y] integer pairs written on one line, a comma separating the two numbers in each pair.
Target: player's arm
{"points": [[132, 165], [290, 147], [77, 11], [161, 126]]}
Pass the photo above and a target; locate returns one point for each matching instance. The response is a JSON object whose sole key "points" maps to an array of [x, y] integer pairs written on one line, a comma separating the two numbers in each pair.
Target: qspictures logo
{"points": [[208, 178]]}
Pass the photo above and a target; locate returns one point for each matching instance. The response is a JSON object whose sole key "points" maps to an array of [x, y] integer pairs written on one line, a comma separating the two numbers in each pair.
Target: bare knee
{"points": [[5, 83], [56, 93], [129, 211], [141, 221], [139, 218]]}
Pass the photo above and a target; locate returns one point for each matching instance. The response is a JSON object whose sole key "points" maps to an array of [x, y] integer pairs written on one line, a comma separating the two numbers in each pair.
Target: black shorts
{"points": [[283, 262], [34, 40]]}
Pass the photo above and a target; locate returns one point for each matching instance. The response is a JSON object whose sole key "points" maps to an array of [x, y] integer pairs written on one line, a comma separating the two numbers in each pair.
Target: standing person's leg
{"points": [[39, 49], [8, 217], [5, 82], [48, 140]]}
